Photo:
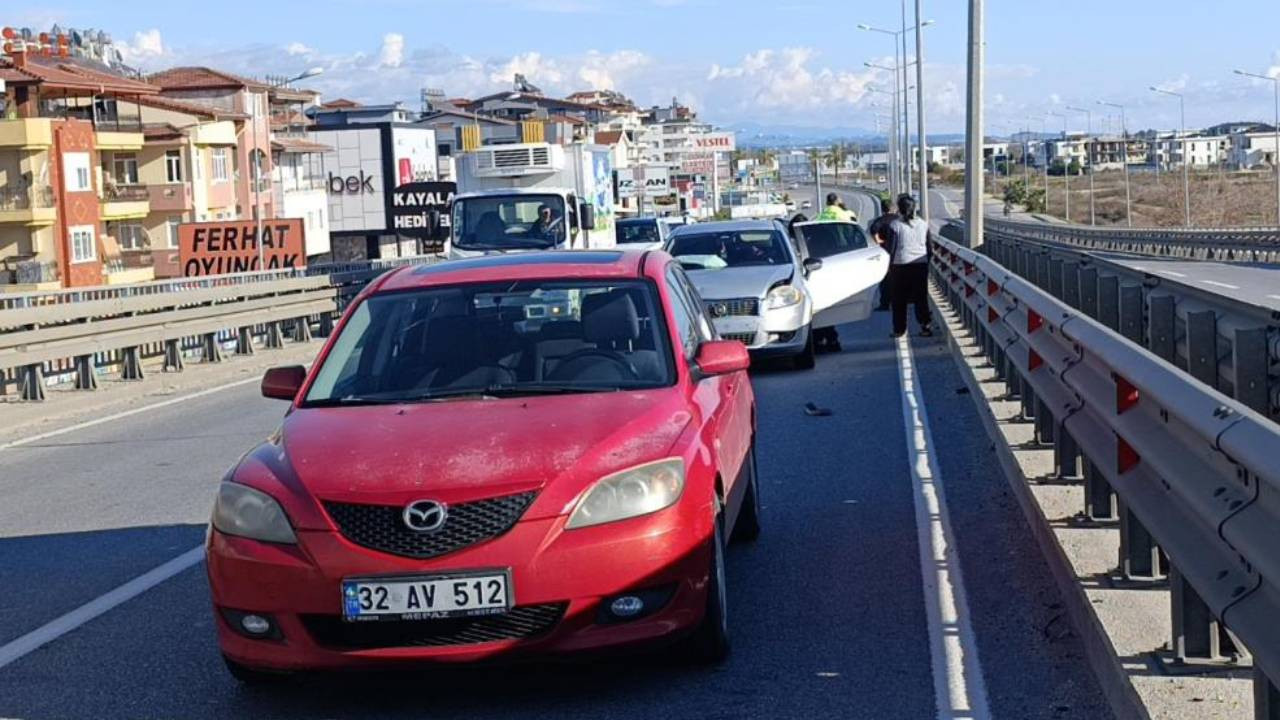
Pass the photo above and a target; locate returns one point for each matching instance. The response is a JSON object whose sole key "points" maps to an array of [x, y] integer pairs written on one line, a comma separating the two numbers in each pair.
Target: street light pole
{"points": [[1182, 132], [895, 151], [1093, 217], [900, 87], [1124, 161], [1275, 154], [906, 117], [974, 137], [920, 131], [257, 160], [1066, 169]]}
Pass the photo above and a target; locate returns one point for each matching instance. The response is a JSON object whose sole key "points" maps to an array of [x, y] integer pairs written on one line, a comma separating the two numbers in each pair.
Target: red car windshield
{"points": [[521, 338]]}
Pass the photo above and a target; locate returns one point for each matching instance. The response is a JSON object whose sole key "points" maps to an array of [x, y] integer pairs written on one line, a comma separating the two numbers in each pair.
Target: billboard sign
{"points": [[626, 183], [232, 246], [421, 210], [700, 163], [657, 181], [713, 142]]}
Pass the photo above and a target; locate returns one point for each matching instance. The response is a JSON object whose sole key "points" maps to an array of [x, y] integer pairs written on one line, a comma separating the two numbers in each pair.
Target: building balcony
{"points": [[118, 139], [26, 133], [27, 205], [126, 202], [173, 197]]}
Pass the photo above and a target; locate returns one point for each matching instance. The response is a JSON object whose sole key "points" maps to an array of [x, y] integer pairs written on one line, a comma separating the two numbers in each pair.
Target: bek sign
{"points": [[232, 246], [351, 185], [421, 210], [713, 142], [657, 182]]}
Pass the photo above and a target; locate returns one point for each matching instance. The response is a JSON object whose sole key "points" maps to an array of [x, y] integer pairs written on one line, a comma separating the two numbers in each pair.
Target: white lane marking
{"points": [[958, 685], [1215, 283], [1170, 272], [56, 628], [127, 413], [1274, 297]]}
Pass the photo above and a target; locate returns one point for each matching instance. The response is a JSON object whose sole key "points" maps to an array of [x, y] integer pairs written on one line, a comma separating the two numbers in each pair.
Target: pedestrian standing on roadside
{"points": [[833, 211], [882, 233], [909, 266]]}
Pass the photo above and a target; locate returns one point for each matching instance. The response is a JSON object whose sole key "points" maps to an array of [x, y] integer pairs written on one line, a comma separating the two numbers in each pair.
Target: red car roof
{"points": [[581, 264]]}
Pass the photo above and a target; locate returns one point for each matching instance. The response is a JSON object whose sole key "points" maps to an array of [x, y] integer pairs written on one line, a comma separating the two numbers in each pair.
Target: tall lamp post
{"points": [[895, 152], [900, 83], [257, 160], [1275, 155], [1182, 132], [1066, 168], [1124, 161], [1093, 216], [923, 140]]}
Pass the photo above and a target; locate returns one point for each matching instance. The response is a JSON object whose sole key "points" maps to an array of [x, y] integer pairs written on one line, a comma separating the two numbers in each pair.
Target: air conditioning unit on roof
{"points": [[517, 160]]}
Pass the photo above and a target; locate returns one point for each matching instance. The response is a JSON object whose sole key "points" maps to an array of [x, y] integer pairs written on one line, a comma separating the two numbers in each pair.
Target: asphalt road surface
{"points": [[827, 608]]}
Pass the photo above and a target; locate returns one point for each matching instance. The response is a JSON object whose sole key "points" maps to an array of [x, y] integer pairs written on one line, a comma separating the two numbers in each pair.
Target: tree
{"points": [[1075, 168]]}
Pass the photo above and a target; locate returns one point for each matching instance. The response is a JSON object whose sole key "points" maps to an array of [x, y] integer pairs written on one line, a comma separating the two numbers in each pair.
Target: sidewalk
{"points": [[65, 406]]}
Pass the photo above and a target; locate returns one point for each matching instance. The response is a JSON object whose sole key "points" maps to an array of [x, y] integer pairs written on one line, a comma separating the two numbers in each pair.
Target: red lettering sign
{"points": [[234, 246]]}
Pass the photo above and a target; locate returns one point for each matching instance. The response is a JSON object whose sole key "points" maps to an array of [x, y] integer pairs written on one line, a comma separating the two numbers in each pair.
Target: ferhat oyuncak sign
{"points": [[232, 246], [421, 210]]}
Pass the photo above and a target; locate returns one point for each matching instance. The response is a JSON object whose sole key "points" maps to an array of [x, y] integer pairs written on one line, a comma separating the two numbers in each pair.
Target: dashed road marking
{"points": [[958, 685], [1174, 274], [56, 628], [1215, 283]]}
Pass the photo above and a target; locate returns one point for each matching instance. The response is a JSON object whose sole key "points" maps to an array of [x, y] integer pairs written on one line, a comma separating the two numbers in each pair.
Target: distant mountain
{"points": [[756, 135]]}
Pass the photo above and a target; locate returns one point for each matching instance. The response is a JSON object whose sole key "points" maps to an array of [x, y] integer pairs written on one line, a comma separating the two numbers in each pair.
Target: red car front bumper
{"points": [[299, 587]]}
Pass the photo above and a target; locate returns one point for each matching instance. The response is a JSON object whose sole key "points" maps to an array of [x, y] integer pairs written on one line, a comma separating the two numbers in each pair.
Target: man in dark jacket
{"points": [[881, 232]]}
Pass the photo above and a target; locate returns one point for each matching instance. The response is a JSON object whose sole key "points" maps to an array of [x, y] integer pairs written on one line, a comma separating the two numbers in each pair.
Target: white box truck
{"points": [[532, 196]]}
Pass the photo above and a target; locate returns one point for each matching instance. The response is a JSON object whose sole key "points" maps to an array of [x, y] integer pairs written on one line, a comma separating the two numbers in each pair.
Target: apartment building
{"points": [[1201, 151], [64, 122], [1251, 150]]}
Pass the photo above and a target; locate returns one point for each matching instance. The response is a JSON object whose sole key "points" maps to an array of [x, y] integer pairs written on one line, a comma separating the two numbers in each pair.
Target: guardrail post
{"points": [[1109, 301], [326, 324], [1202, 347], [1044, 423], [210, 348], [1055, 277], [1197, 634], [173, 355], [1066, 454], [1140, 556], [1249, 351], [302, 329], [1131, 320], [1160, 327], [244, 340], [1030, 405], [1071, 284], [32, 382], [274, 340], [1089, 292], [1266, 696], [1100, 501], [131, 363], [86, 373]]}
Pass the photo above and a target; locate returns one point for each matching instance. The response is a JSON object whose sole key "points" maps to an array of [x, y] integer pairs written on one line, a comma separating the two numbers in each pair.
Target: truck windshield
{"points": [[502, 339], [509, 222]]}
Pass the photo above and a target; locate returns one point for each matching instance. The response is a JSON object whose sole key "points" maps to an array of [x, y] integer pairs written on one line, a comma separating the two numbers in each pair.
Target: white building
{"points": [[1253, 149]]}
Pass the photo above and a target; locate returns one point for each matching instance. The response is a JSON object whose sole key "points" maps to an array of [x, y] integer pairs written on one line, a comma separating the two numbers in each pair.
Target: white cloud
{"points": [[146, 45], [787, 83], [392, 53], [297, 48]]}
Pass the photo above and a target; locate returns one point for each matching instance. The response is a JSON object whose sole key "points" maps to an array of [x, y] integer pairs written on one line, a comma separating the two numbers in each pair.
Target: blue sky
{"points": [[787, 62]]}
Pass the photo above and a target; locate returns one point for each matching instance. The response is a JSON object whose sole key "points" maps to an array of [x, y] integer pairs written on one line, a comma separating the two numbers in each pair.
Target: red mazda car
{"points": [[536, 453]]}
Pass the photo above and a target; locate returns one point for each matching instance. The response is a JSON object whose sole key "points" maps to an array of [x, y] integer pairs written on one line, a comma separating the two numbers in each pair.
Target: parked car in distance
{"points": [[761, 288], [514, 455], [806, 205]]}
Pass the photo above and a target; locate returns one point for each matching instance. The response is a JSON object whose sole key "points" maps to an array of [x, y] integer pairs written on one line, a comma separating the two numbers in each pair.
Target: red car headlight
{"points": [[639, 490], [241, 510]]}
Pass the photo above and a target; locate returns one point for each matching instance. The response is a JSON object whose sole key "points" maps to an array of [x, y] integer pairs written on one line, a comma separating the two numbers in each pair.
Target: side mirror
{"points": [[812, 264], [587, 216], [283, 383], [719, 357]]}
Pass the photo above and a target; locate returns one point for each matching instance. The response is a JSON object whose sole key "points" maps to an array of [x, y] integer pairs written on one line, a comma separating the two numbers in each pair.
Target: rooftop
{"points": [[202, 78]]}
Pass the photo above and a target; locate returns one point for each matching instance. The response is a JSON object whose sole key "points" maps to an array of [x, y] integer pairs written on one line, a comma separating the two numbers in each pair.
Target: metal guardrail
{"points": [[93, 327], [1225, 244], [1225, 343], [1195, 472]]}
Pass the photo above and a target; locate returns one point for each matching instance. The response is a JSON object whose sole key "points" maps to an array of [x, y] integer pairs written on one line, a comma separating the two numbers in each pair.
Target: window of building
{"points": [[131, 236], [173, 166], [76, 165], [83, 246], [221, 168], [124, 168], [171, 227], [197, 165]]}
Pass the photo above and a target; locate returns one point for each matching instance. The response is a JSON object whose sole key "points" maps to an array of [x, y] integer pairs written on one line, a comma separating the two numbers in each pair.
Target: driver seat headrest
{"points": [[610, 317]]}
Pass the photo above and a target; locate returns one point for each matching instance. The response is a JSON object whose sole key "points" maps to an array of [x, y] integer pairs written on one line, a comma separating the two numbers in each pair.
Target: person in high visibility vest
{"points": [[833, 211]]}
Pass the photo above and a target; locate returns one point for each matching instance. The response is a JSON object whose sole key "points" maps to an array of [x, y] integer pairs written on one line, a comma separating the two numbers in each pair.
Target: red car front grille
{"points": [[382, 528], [519, 623]]}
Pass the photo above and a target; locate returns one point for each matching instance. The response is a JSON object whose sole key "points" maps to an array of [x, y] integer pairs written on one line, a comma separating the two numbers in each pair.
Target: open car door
{"points": [[843, 288]]}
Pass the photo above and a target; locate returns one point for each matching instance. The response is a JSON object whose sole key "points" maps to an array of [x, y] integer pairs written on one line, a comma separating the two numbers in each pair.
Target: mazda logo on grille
{"points": [[425, 515], [719, 310]]}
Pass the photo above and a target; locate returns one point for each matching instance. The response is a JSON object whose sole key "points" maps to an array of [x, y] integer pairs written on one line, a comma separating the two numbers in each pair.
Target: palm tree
{"points": [[837, 155]]}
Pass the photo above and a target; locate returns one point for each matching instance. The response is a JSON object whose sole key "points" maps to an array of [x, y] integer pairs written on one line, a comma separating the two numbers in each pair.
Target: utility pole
{"points": [[1093, 217], [1066, 169], [906, 116], [1124, 162], [1275, 154], [920, 130], [974, 136], [1186, 179]]}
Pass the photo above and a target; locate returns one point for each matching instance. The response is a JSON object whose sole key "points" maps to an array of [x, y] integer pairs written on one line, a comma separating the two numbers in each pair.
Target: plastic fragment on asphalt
{"points": [[815, 411]]}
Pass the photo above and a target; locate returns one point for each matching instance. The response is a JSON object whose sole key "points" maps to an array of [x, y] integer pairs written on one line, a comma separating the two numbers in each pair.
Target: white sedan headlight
{"points": [[241, 510], [635, 491], [783, 296]]}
